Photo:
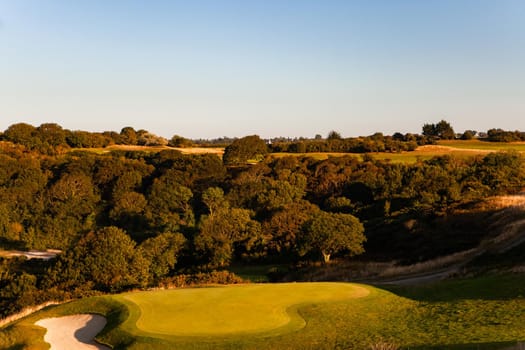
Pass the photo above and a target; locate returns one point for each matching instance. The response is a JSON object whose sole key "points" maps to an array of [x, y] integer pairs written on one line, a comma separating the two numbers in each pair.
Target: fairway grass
{"points": [[482, 314], [233, 310]]}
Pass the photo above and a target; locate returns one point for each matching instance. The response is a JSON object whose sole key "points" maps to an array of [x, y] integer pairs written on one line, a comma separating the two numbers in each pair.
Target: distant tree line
{"points": [[498, 135], [334, 143], [52, 139]]}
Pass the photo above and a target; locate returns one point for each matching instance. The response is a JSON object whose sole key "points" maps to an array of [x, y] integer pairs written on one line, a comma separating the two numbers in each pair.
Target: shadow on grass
{"points": [[504, 287], [479, 346]]}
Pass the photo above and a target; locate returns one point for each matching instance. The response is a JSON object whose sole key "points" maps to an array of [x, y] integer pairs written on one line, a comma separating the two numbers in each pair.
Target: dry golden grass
{"points": [[383, 346], [188, 150], [202, 150], [501, 202], [25, 312]]}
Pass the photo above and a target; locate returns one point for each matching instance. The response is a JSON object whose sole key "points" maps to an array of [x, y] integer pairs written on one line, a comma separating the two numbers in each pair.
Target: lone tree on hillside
{"points": [[443, 130], [329, 233], [244, 149], [128, 136]]}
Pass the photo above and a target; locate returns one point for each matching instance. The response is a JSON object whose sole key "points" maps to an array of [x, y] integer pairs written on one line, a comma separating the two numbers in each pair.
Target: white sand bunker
{"points": [[73, 332]]}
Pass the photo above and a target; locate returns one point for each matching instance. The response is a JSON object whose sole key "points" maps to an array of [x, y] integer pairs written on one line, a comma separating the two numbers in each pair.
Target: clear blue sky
{"points": [[210, 68]]}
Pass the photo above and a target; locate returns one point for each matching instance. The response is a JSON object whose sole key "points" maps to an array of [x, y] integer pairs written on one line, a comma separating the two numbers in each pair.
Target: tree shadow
{"points": [[86, 335], [502, 287], [475, 346]]}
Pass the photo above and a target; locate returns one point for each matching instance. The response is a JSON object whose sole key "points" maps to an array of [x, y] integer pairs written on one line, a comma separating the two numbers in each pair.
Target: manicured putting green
{"points": [[223, 311]]}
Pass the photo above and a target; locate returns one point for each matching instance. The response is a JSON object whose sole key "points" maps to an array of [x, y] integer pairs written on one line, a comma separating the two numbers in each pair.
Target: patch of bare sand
{"points": [[73, 332]]}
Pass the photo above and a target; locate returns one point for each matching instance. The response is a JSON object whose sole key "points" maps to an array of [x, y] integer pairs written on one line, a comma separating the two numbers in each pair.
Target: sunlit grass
{"points": [[456, 148], [483, 145], [233, 310], [480, 313], [151, 149]]}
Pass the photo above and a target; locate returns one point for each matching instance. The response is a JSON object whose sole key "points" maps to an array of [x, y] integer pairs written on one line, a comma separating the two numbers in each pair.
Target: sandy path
{"points": [[32, 254], [73, 332]]}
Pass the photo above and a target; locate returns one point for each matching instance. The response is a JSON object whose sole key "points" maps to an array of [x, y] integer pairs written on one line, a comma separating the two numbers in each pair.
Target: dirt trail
{"points": [[31, 254]]}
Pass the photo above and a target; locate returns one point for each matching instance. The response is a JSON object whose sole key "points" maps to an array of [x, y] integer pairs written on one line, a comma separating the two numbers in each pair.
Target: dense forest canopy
{"points": [[132, 219]]}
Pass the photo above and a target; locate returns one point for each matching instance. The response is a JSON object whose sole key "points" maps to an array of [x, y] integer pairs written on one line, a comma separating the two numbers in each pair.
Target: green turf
{"points": [[483, 145], [482, 313], [233, 310]]}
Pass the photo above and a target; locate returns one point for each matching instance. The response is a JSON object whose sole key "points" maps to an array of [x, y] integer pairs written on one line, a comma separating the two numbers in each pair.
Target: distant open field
{"points": [[484, 145], [187, 150], [458, 148], [483, 313], [420, 154]]}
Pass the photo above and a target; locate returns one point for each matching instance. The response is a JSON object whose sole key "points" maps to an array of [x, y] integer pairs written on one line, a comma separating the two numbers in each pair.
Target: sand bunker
{"points": [[73, 332]]}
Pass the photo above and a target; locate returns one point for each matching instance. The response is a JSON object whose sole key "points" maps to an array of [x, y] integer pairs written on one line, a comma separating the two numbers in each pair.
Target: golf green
{"points": [[231, 310]]}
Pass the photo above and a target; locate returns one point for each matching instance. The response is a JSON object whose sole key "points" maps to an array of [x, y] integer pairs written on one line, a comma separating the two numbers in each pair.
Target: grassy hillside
{"points": [[461, 148], [458, 148], [468, 314], [484, 145]]}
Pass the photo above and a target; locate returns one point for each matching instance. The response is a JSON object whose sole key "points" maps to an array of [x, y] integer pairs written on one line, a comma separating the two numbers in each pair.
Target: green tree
{"points": [[5, 223], [146, 138], [443, 130], [162, 252], [22, 133], [52, 134], [214, 200], [244, 149], [502, 172], [106, 259], [284, 227], [429, 130], [329, 233], [226, 233], [128, 136], [179, 141], [468, 134], [128, 212], [169, 206], [71, 207], [279, 193], [339, 205], [334, 135]]}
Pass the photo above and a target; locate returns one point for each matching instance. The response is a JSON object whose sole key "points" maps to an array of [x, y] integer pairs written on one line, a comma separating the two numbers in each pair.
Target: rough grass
{"points": [[483, 313]]}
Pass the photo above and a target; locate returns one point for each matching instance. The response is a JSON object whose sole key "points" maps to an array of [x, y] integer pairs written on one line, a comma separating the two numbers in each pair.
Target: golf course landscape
{"points": [[483, 313], [262, 175]]}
